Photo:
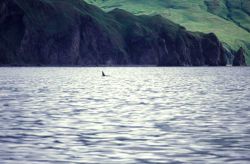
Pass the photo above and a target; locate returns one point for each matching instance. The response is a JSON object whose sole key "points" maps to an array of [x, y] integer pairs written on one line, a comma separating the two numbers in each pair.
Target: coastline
{"points": [[111, 66]]}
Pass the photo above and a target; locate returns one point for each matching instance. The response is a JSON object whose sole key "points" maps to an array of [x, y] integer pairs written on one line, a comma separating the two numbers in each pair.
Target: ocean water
{"points": [[134, 115]]}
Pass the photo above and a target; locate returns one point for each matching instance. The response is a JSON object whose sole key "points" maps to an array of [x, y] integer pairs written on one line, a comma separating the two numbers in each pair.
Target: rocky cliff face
{"points": [[62, 32], [239, 58]]}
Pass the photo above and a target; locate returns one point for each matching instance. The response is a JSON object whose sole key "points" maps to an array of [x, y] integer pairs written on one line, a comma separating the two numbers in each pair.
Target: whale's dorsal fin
{"points": [[103, 74]]}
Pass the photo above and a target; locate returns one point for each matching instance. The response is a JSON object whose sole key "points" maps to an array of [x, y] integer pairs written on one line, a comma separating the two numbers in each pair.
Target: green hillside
{"points": [[228, 19], [63, 32]]}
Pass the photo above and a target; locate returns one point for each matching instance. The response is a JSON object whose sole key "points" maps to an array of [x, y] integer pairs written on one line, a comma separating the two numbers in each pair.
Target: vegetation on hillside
{"points": [[62, 32], [228, 19]]}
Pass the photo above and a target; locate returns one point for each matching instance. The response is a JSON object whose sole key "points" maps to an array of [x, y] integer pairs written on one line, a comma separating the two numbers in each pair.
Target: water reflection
{"points": [[142, 115]]}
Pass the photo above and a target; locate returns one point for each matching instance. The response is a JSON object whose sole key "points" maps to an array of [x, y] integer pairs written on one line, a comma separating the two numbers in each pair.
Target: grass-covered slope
{"points": [[63, 32], [228, 19]]}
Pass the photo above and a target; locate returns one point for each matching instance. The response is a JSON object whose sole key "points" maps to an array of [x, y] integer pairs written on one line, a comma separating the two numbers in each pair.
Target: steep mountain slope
{"points": [[62, 32], [228, 19]]}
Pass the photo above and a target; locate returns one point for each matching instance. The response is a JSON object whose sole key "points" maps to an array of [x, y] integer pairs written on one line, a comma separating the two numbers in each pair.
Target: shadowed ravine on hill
{"points": [[60, 32]]}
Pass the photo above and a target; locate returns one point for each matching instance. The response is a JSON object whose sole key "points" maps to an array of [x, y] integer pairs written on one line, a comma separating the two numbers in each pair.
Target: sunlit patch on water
{"points": [[136, 115]]}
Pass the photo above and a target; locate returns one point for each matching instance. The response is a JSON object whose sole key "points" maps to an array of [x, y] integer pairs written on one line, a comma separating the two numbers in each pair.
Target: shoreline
{"points": [[110, 66]]}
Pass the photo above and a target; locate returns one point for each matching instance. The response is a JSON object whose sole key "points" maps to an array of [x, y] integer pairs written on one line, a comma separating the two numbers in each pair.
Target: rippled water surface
{"points": [[135, 115]]}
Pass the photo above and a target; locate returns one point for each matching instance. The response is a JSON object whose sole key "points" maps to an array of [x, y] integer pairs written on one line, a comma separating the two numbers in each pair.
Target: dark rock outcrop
{"points": [[64, 32], [239, 58], [213, 51]]}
